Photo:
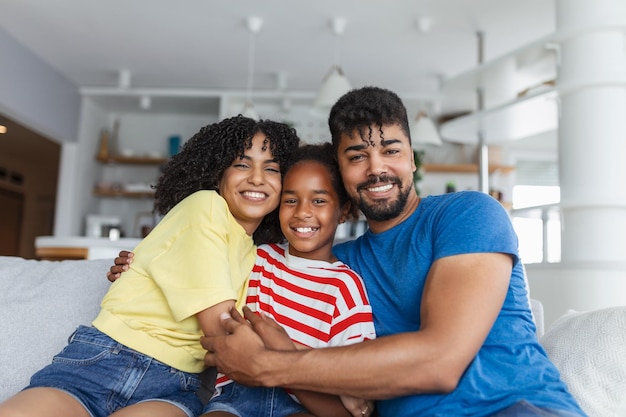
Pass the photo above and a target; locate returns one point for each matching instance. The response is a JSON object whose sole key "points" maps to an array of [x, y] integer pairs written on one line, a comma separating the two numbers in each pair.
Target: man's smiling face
{"points": [[378, 171]]}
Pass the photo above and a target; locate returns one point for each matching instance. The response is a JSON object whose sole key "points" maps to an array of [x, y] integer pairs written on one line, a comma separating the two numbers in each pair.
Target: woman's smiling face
{"points": [[251, 185]]}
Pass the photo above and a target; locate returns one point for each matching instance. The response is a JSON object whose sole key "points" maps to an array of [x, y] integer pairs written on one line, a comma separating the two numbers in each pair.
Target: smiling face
{"points": [[310, 211], [251, 185], [378, 175]]}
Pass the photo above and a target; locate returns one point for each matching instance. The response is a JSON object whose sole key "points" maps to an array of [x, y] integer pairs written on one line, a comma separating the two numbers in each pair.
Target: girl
{"points": [[143, 354]]}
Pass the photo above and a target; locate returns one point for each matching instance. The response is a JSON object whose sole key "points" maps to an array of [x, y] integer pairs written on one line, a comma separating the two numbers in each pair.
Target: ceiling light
{"points": [[335, 83], [3, 129], [424, 24], [254, 25], [424, 131], [145, 102], [123, 79]]}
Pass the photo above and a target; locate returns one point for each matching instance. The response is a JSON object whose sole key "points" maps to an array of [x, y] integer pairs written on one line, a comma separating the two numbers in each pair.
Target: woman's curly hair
{"points": [[203, 159]]}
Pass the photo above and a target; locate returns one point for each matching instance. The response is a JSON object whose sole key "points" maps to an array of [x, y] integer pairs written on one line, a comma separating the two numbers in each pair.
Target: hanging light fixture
{"points": [[254, 25], [335, 83], [3, 126], [424, 131]]}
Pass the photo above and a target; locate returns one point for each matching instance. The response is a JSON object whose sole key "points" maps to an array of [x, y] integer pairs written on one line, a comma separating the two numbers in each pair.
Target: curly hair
{"points": [[360, 109], [324, 154], [203, 159]]}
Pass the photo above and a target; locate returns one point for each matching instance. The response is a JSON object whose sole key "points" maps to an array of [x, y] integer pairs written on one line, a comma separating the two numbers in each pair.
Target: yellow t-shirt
{"points": [[196, 257]]}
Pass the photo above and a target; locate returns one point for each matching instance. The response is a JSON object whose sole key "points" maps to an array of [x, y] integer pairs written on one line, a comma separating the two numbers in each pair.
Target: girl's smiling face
{"points": [[251, 185], [310, 211]]}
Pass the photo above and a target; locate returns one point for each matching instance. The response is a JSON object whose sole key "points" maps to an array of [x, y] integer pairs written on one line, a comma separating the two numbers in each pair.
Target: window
{"points": [[535, 212]]}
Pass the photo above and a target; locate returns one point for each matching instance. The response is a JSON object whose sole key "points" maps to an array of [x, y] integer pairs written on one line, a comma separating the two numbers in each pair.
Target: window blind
{"points": [[539, 173]]}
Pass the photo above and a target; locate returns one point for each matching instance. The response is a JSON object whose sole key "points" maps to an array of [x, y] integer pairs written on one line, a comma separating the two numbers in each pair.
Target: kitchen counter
{"points": [[56, 248]]}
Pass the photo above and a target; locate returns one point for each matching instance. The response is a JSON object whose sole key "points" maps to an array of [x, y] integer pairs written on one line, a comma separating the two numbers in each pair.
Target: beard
{"points": [[383, 210]]}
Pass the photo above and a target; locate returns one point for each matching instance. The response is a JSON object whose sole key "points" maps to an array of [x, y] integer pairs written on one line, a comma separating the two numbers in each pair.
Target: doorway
{"points": [[29, 166]]}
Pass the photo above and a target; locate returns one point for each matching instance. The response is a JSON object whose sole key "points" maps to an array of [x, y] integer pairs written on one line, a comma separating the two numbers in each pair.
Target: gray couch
{"points": [[42, 302]]}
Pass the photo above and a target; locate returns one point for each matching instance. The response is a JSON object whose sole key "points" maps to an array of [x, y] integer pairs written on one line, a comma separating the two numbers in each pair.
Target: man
{"points": [[447, 290]]}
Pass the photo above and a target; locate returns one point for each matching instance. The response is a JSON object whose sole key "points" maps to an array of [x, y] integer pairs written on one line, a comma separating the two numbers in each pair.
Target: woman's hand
{"points": [[121, 263]]}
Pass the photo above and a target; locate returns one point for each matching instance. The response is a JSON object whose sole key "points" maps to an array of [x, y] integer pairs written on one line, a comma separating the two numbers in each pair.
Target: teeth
{"points": [[381, 188], [253, 194], [305, 229]]}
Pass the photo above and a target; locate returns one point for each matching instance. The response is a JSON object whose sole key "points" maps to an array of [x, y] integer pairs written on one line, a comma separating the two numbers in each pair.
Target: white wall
{"points": [[576, 286], [35, 94]]}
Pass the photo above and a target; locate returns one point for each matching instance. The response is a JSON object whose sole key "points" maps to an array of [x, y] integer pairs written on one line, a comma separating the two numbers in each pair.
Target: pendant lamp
{"points": [[254, 25], [424, 131], [335, 83]]}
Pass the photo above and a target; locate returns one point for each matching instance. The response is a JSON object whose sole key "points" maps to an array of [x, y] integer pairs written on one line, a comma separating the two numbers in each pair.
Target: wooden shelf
{"points": [[466, 168], [132, 160], [122, 193]]}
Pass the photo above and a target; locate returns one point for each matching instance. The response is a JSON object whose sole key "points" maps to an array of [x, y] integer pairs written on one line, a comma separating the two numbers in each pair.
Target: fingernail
{"points": [[224, 316]]}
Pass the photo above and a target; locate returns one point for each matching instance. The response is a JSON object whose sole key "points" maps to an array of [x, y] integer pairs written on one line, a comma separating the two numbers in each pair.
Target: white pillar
{"points": [[592, 130], [592, 158]]}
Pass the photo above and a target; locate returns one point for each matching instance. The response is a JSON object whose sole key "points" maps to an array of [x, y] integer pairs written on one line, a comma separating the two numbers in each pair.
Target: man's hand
{"points": [[239, 353], [121, 263]]}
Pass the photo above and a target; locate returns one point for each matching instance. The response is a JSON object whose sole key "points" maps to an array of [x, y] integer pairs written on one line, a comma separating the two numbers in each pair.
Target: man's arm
{"points": [[462, 298], [319, 404], [120, 264]]}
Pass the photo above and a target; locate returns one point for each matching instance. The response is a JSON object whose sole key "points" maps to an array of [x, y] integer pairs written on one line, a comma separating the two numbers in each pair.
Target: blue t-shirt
{"points": [[511, 365]]}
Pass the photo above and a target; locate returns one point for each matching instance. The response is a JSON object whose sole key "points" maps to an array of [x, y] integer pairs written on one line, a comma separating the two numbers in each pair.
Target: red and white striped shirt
{"points": [[319, 304]]}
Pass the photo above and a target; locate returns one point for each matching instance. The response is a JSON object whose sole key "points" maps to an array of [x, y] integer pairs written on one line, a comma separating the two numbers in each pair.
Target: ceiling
{"points": [[203, 44]]}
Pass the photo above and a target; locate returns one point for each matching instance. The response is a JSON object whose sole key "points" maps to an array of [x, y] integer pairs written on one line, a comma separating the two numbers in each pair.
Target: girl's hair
{"points": [[203, 159], [324, 155]]}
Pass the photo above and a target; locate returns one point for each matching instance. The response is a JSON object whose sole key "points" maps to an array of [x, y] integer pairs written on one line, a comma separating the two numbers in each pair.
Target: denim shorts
{"points": [[104, 376], [244, 401]]}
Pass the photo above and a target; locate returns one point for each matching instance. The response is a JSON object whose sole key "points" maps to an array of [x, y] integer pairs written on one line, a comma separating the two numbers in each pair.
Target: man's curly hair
{"points": [[360, 109], [203, 159]]}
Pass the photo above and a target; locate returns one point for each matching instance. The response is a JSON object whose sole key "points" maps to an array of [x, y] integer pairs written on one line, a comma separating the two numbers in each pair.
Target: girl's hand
{"points": [[273, 335], [358, 407]]}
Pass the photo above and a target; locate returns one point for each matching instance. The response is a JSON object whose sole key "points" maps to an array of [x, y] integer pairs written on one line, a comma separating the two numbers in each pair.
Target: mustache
{"points": [[378, 179]]}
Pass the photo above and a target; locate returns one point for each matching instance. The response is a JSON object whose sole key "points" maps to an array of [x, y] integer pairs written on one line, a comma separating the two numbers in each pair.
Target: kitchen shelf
{"points": [[466, 168], [132, 160], [518, 95], [122, 193], [526, 116]]}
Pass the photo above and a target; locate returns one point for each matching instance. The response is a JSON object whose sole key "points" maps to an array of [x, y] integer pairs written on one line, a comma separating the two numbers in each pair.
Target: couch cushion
{"points": [[589, 348], [41, 303]]}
